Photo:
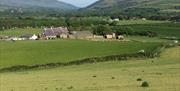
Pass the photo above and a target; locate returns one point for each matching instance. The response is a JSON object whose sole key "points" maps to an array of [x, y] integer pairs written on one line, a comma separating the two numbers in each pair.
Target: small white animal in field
{"points": [[141, 51], [176, 41]]}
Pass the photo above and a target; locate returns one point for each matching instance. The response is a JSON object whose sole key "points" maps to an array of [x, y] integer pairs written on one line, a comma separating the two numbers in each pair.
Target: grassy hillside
{"points": [[124, 4], [162, 75], [36, 3], [24, 8], [136, 8], [52, 51], [161, 28]]}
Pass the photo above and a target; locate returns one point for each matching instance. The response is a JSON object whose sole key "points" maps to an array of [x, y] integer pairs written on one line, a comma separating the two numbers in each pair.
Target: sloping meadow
{"points": [[68, 52]]}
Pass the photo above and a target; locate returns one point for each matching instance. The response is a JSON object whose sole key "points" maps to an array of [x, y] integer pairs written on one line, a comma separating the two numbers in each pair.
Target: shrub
{"points": [[45, 88], [112, 77], [56, 88], [145, 84], [139, 79], [71, 87]]}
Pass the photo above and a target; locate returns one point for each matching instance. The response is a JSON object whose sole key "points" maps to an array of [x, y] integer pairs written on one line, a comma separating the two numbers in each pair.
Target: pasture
{"points": [[135, 22], [147, 39], [162, 30], [52, 51], [161, 73], [20, 31]]}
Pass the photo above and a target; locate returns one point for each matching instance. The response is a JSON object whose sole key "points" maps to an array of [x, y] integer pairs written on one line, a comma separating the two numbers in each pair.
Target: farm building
{"points": [[81, 35], [59, 32], [110, 36], [3, 37], [98, 37], [34, 37]]}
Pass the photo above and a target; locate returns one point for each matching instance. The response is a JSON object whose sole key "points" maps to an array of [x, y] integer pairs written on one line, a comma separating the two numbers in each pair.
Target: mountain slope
{"points": [[36, 3], [127, 4]]}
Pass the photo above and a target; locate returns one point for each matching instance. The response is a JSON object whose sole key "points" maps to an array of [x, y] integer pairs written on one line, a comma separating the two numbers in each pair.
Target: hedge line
{"points": [[122, 57]]}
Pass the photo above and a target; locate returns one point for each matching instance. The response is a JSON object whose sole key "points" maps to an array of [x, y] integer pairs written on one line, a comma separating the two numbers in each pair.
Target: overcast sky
{"points": [[79, 3]]}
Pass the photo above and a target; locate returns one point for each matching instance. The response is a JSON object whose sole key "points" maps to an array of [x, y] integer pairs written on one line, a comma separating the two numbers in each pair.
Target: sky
{"points": [[79, 3]]}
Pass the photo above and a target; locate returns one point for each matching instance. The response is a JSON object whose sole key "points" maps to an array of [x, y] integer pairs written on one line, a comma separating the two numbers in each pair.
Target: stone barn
{"points": [[81, 35], [59, 32], [108, 36]]}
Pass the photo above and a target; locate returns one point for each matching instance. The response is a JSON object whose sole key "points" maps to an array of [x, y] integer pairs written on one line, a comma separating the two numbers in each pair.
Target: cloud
{"points": [[79, 3]]}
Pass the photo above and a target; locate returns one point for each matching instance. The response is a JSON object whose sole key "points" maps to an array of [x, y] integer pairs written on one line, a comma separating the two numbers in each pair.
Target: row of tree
{"points": [[130, 13], [120, 30]]}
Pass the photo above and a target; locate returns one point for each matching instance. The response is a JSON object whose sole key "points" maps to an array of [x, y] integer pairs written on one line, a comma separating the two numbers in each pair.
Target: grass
{"points": [[51, 51], [163, 30], [134, 22], [20, 31], [162, 75], [171, 10], [147, 39]]}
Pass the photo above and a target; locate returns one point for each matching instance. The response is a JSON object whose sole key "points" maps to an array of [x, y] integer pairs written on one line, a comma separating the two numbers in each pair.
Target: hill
{"points": [[33, 7], [138, 7], [125, 4], [36, 3]]}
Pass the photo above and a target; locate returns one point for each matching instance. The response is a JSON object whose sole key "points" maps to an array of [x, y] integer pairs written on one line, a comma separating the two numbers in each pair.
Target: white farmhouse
{"points": [[108, 36], [34, 37]]}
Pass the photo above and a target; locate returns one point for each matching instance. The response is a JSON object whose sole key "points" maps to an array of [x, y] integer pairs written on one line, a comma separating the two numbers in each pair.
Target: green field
{"points": [[162, 75], [147, 39], [162, 30], [134, 22], [51, 51], [19, 31]]}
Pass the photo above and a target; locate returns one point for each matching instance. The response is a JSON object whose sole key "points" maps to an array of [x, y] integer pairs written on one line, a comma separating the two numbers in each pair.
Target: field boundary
{"points": [[123, 57]]}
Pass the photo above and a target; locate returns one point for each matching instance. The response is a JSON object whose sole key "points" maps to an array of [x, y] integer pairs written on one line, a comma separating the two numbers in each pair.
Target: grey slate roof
{"points": [[55, 31]]}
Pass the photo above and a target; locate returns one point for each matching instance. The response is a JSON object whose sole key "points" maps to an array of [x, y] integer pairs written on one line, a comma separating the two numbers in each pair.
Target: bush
{"points": [[145, 84], [71, 87], [139, 79], [147, 33], [112, 77], [123, 30]]}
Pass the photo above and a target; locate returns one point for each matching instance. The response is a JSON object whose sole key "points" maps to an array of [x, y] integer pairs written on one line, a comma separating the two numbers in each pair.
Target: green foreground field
{"points": [[52, 51], [162, 74]]}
